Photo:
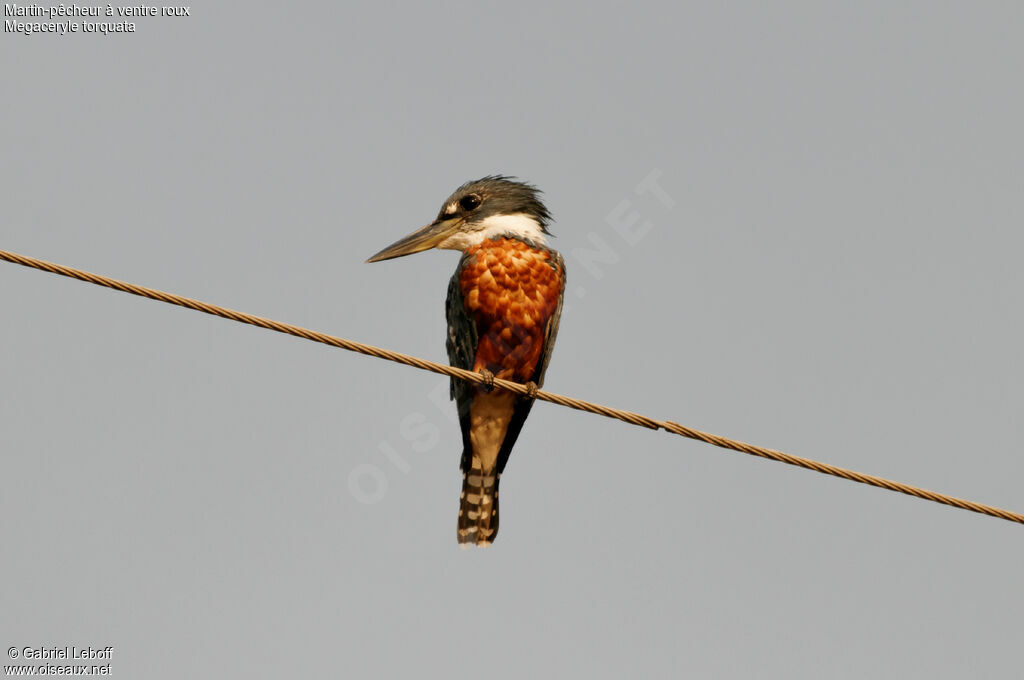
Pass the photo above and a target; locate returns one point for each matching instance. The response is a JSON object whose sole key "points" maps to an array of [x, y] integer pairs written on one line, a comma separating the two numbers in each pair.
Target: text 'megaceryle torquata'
{"points": [[504, 302]]}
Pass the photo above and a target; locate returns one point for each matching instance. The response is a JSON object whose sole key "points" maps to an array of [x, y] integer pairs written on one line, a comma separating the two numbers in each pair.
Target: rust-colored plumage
{"points": [[511, 289]]}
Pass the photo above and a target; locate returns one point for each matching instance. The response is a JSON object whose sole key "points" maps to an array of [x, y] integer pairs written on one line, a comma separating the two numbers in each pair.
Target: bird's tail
{"points": [[478, 509]]}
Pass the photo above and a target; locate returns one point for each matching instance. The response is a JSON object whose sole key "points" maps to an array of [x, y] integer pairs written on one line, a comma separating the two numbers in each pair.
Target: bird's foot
{"points": [[531, 390], [488, 383]]}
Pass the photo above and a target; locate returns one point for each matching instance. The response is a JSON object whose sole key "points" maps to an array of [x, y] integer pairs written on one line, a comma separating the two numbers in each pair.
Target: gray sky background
{"points": [[836, 273]]}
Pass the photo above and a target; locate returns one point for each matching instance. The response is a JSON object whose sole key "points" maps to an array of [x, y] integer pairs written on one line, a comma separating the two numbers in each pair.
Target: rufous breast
{"points": [[511, 289]]}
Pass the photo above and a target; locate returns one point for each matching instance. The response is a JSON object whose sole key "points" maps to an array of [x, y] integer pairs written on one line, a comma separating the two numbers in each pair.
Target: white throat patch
{"points": [[518, 224]]}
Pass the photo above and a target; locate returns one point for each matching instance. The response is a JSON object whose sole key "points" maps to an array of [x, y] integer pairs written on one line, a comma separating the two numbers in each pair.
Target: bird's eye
{"points": [[470, 202]]}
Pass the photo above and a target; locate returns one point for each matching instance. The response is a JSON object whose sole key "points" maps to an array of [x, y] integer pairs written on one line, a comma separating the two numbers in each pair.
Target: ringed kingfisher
{"points": [[504, 303]]}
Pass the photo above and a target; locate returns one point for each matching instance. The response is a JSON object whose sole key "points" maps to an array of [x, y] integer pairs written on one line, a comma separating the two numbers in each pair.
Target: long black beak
{"points": [[424, 239]]}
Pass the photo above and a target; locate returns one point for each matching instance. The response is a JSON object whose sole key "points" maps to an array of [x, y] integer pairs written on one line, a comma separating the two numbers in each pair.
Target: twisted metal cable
{"points": [[526, 390]]}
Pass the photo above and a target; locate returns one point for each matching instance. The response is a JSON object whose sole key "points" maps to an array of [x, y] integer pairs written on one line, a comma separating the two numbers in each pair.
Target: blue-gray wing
{"points": [[461, 343]]}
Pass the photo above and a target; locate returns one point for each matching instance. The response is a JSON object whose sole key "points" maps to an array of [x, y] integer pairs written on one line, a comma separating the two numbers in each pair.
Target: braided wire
{"points": [[529, 390]]}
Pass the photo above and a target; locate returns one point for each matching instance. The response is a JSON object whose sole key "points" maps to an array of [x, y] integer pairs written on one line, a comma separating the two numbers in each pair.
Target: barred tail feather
{"points": [[478, 508]]}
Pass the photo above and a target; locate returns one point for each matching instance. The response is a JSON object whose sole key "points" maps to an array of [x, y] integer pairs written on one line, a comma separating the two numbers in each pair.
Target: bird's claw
{"points": [[531, 390], [488, 377]]}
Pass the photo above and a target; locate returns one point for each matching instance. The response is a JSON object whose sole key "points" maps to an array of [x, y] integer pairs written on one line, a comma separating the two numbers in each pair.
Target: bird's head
{"points": [[488, 207]]}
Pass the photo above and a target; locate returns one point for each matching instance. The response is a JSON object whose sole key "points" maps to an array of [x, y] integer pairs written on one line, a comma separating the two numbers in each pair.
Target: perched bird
{"points": [[504, 303]]}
